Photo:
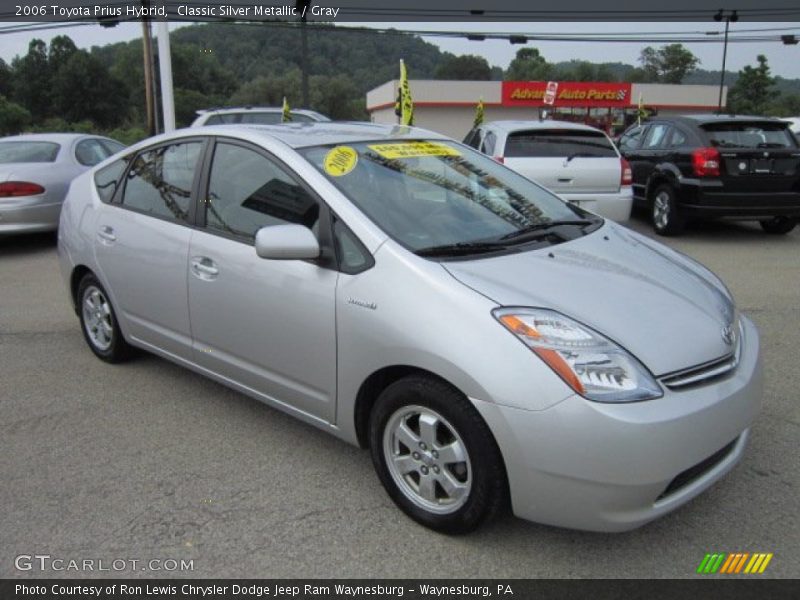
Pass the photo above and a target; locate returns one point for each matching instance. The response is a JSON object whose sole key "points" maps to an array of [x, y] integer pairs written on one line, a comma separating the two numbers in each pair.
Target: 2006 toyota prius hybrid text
{"points": [[487, 341]]}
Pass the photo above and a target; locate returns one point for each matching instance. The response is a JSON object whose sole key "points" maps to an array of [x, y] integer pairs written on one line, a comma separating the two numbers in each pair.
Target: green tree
{"points": [[13, 117], [668, 64], [31, 81], [529, 65], [465, 67], [752, 91]]}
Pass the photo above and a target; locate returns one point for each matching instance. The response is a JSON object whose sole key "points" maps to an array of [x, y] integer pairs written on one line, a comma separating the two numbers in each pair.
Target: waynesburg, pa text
{"points": [[274, 590]]}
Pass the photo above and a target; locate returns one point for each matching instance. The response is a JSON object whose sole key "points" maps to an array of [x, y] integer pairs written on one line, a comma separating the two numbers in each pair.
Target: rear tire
{"points": [[778, 225], [436, 456], [99, 321], [664, 212]]}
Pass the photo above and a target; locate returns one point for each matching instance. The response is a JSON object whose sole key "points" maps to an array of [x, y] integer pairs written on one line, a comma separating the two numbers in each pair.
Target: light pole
{"points": [[728, 17]]}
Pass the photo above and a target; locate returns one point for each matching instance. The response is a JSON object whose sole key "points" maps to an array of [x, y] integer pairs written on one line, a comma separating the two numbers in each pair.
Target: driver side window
{"points": [[248, 191]]}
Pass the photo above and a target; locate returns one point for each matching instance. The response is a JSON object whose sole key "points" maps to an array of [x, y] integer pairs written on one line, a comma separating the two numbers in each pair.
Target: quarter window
{"points": [[107, 179], [160, 181], [489, 141], [630, 139], [248, 191]]}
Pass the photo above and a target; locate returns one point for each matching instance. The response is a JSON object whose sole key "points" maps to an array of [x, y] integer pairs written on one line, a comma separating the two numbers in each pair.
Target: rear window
{"points": [[28, 152], [559, 142], [748, 135]]}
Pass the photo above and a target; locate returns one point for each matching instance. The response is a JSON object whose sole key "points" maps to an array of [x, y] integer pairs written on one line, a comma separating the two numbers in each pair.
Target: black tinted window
{"points": [[749, 135], [160, 180], [631, 138], [558, 142], [656, 136], [106, 180], [473, 137], [247, 191]]}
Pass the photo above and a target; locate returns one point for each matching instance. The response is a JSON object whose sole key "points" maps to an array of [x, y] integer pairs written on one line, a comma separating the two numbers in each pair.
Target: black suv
{"points": [[715, 166]]}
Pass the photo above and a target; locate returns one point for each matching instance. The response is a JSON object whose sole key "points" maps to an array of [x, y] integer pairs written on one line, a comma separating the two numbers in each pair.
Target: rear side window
{"points": [[28, 152], [92, 151], [749, 135], [106, 180], [656, 136], [221, 119], [631, 138], [559, 142], [489, 142], [160, 181]]}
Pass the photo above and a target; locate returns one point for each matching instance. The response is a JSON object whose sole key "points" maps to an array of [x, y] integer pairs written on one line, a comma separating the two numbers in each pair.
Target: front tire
{"points": [[99, 322], [778, 225], [665, 214], [435, 455]]}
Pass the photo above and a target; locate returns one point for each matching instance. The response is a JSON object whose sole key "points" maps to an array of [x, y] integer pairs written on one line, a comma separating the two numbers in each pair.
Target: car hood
{"points": [[661, 306]]}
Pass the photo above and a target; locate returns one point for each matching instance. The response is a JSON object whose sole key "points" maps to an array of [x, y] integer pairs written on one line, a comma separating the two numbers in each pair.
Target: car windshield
{"points": [[558, 143], [430, 194], [749, 135], [28, 152]]}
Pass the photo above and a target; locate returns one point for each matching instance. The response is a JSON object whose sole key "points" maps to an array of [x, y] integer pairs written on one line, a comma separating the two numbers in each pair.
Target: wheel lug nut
{"points": [[435, 469], [415, 455], [424, 470], [423, 446], [435, 454]]}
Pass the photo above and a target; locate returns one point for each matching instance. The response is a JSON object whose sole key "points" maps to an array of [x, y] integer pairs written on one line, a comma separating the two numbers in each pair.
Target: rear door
{"points": [[757, 156], [142, 242], [565, 160]]}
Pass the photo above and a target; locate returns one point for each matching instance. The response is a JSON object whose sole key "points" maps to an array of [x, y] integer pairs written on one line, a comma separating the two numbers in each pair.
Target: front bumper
{"points": [[613, 467], [615, 206], [28, 215]]}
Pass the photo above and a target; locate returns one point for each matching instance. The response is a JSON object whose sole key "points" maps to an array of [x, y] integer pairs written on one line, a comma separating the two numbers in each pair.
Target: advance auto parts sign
{"points": [[570, 93]]}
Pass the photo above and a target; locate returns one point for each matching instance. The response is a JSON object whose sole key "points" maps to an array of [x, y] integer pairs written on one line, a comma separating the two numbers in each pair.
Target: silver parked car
{"points": [[579, 163], [35, 173], [254, 115], [486, 340]]}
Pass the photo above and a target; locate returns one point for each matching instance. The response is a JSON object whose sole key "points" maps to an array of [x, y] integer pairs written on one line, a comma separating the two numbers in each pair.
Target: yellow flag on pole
{"points": [[478, 114], [404, 107], [641, 111], [286, 116]]}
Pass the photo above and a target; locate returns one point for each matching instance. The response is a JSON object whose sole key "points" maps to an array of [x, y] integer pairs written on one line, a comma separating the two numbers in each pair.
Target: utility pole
{"points": [[302, 7], [165, 69], [148, 78], [731, 16]]}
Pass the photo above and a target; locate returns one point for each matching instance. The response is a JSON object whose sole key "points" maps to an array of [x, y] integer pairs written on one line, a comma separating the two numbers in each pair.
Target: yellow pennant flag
{"points": [[404, 107], [641, 112], [286, 116], [478, 114]]}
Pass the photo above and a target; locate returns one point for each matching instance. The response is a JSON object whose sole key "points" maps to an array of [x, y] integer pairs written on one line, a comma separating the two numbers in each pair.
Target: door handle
{"points": [[106, 235], [204, 268]]}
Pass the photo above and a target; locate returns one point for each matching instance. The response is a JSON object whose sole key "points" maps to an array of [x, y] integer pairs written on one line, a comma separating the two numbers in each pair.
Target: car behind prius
{"points": [[486, 340]]}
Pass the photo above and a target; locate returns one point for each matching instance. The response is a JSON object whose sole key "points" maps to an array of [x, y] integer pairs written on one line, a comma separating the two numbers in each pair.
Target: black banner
{"points": [[710, 588], [391, 11]]}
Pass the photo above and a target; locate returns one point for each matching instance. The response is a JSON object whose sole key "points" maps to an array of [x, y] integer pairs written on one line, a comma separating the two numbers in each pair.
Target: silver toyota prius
{"points": [[489, 343]]}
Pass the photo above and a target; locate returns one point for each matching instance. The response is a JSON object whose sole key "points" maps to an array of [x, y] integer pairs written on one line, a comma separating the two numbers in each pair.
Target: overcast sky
{"points": [[783, 60]]}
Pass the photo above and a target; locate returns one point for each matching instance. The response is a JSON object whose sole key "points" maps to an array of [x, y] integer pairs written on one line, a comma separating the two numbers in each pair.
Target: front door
{"points": [[268, 325]]}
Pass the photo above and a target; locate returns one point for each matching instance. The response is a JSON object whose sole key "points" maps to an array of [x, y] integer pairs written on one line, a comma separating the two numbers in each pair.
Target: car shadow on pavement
{"points": [[30, 243]]}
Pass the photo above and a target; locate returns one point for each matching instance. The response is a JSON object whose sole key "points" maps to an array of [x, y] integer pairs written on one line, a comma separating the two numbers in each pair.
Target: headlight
{"points": [[591, 364]]}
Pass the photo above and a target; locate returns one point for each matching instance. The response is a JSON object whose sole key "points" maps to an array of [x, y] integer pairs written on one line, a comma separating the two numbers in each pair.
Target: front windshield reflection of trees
{"points": [[438, 200]]}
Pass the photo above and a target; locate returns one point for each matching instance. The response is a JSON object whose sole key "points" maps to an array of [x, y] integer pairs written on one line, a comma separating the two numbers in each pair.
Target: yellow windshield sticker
{"points": [[413, 150], [340, 161]]}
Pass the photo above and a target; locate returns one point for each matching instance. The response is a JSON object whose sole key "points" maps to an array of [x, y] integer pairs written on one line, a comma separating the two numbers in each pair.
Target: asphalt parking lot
{"points": [[147, 460]]}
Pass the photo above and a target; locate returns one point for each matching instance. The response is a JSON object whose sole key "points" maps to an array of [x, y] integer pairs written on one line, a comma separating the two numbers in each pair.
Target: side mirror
{"points": [[286, 242]]}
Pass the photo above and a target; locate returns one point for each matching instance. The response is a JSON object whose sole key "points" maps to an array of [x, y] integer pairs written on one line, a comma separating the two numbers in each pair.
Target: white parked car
{"points": [[260, 115], [577, 162], [794, 124]]}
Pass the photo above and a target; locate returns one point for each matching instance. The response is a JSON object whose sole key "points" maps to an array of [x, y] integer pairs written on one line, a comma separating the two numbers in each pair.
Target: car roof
{"points": [[266, 109], [322, 133], [517, 125], [701, 119], [57, 138]]}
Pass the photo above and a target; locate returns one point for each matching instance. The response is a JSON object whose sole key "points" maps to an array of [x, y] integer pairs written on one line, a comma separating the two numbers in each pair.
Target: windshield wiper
{"points": [[539, 228], [579, 155], [460, 248]]}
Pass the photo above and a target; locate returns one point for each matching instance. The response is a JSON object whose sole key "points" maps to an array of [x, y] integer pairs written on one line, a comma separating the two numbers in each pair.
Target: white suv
{"points": [[577, 162], [260, 115]]}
